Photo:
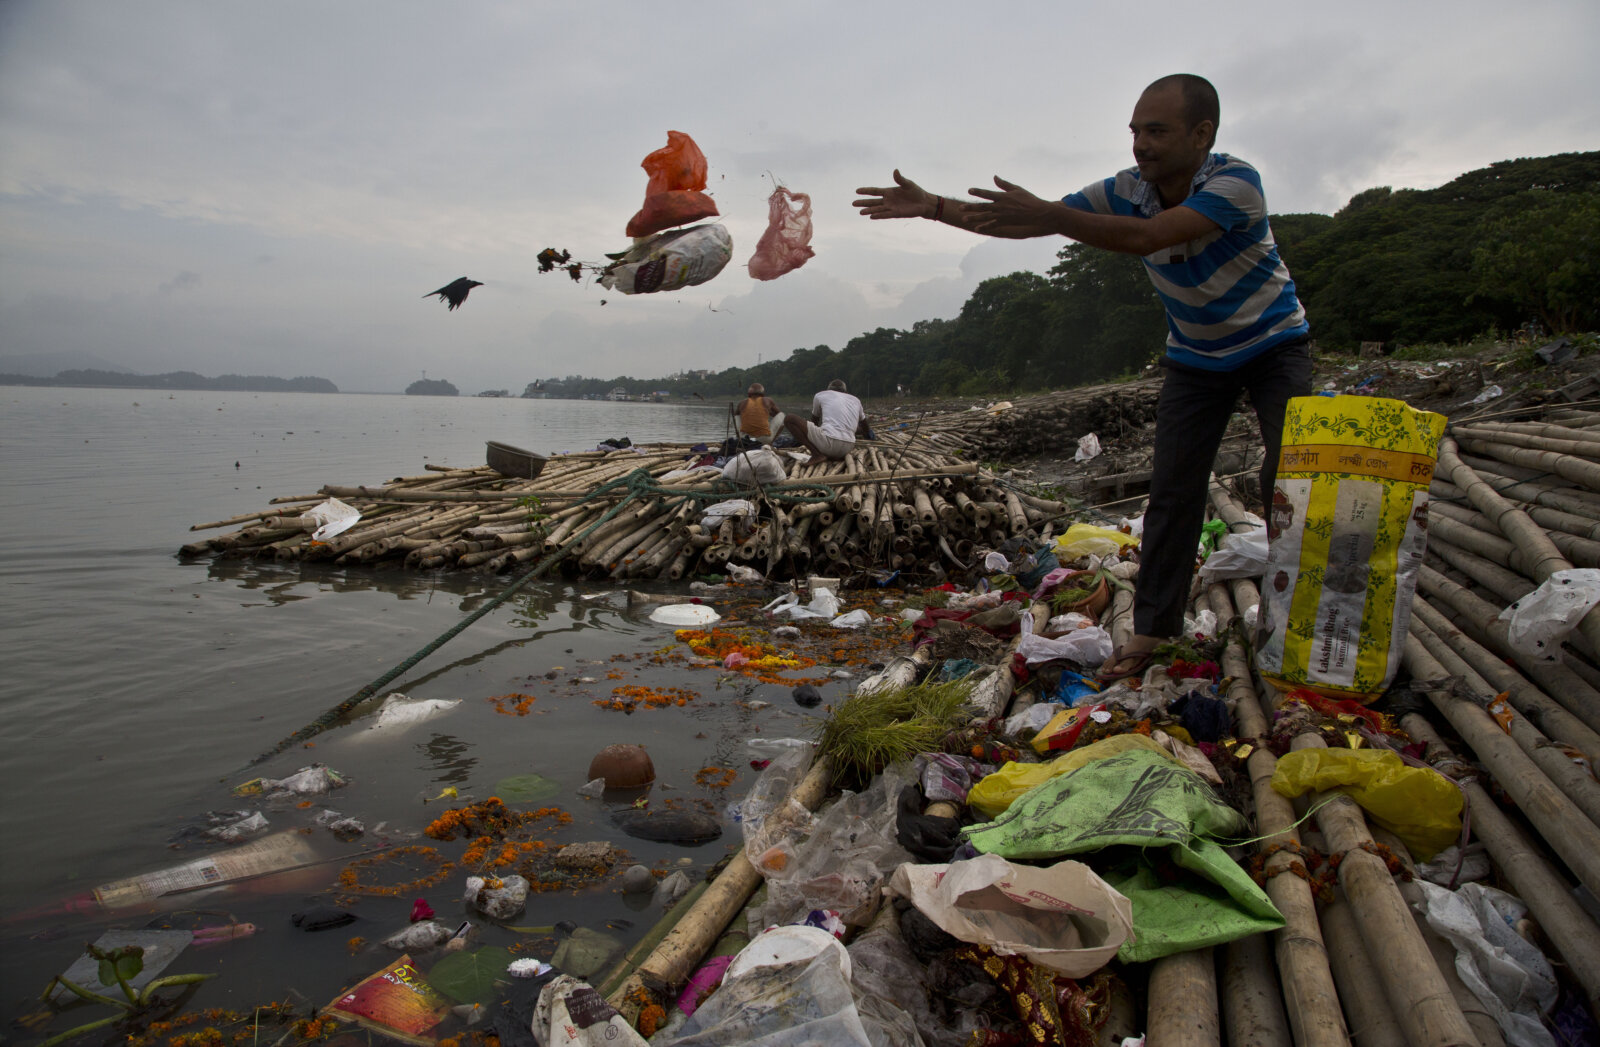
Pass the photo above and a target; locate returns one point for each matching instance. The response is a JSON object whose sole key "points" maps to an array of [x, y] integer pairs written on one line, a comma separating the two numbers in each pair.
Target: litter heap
{"points": [[1046, 423], [1301, 869], [905, 502]]}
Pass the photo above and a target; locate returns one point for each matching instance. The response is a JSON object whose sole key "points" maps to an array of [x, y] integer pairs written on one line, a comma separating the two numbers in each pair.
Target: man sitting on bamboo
{"points": [[837, 419], [759, 417]]}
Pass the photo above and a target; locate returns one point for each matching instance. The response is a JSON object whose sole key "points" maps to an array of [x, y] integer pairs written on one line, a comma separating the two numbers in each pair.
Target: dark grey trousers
{"points": [[1191, 417]]}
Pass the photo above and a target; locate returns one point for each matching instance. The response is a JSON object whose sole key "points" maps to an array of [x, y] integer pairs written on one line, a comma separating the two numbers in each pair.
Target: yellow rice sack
{"points": [[1350, 519]]}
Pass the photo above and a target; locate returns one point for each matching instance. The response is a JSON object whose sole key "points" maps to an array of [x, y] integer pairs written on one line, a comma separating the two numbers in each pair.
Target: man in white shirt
{"points": [[837, 418]]}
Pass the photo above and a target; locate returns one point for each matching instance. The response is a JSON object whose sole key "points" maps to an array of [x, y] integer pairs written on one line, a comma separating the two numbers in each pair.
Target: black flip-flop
{"points": [[1140, 662]]}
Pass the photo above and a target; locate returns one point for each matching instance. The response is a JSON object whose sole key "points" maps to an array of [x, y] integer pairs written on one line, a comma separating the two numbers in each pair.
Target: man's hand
{"points": [[904, 199], [1012, 209]]}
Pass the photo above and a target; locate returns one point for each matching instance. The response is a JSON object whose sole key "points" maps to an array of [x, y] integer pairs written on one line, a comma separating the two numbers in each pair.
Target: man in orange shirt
{"points": [[756, 414]]}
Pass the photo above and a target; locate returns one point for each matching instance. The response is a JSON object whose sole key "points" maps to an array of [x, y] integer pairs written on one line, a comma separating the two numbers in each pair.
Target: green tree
{"points": [[1542, 257]]}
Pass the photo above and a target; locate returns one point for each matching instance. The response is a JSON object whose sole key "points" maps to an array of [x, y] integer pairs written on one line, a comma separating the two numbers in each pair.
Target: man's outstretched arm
{"points": [[1011, 212]]}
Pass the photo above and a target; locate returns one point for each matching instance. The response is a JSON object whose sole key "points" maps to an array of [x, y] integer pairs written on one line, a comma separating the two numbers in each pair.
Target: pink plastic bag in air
{"points": [[677, 175], [787, 242]]}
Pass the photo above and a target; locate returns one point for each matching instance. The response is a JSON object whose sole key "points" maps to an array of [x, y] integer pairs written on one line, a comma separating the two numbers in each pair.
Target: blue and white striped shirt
{"points": [[1228, 295]]}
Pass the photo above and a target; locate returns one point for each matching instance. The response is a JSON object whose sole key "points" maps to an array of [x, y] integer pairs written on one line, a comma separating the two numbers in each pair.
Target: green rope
{"points": [[637, 484]]}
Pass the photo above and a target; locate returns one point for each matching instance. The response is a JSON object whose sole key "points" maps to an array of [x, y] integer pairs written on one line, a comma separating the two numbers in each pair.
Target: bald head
{"points": [[1200, 101]]}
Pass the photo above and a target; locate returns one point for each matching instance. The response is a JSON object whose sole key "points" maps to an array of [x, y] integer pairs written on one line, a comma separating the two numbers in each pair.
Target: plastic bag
{"points": [[1507, 974], [399, 710], [1540, 621], [1242, 555], [668, 261], [847, 853], [1090, 645], [789, 987], [769, 816], [1087, 539], [786, 245], [673, 196], [754, 467], [824, 604], [1088, 448], [331, 517], [1063, 916], [1417, 804], [715, 514], [571, 1014]]}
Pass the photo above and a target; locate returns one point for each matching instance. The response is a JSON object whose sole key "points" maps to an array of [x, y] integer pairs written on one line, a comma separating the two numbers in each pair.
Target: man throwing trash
{"points": [[837, 418], [1199, 221]]}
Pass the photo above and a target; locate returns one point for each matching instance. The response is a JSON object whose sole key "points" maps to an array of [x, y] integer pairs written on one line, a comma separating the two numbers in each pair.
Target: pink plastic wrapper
{"points": [[702, 983], [787, 242]]}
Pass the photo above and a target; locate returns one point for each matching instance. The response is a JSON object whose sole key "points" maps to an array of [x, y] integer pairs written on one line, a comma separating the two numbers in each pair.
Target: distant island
{"points": [[249, 383], [431, 387]]}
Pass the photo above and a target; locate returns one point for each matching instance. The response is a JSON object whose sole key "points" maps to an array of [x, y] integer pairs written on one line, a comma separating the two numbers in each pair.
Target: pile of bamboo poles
{"points": [[1050, 422], [905, 502]]}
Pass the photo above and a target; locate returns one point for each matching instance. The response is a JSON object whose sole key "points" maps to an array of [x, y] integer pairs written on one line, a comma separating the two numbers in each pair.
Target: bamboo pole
{"points": [[1309, 994], [1252, 1007], [1533, 545], [1562, 463], [1545, 891], [1570, 835], [1542, 711], [1366, 1008], [667, 968], [1577, 784], [1417, 993], [1482, 622], [1507, 585], [1182, 1009]]}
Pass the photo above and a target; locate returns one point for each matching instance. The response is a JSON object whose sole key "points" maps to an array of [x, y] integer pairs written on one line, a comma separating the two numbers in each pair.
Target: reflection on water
{"points": [[139, 686], [448, 755]]}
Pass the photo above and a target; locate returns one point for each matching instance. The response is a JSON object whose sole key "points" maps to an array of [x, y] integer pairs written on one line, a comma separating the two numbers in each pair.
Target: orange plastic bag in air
{"points": [[677, 175], [787, 242]]}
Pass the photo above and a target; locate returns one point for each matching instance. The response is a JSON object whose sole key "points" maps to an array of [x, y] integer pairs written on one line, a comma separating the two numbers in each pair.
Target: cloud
{"points": [[322, 180], [184, 281]]}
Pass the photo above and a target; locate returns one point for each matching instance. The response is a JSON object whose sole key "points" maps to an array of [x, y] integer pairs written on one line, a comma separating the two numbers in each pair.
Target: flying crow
{"points": [[455, 292]]}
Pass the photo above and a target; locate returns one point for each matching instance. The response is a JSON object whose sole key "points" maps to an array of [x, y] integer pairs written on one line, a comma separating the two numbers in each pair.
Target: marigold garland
{"points": [[715, 777], [628, 698], [350, 875], [513, 704]]}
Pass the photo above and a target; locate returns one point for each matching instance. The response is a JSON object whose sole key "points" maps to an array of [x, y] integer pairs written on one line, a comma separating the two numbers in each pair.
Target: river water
{"points": [[139, 686]]}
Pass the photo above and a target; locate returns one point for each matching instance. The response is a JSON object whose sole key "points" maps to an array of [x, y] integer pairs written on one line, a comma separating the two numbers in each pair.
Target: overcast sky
{"points": [[270, 188]]}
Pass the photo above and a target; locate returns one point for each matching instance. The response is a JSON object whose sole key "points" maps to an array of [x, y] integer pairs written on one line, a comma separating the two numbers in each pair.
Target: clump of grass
{"points": [[928, 598], [868, 732]]}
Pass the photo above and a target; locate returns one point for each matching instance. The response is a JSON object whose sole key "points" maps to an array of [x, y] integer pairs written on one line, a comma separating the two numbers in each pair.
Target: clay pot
{"points": [[623, 767]]}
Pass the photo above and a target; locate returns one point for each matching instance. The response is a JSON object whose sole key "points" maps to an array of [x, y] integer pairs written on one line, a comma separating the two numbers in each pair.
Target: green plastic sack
{"points": [[1417, 804], [997, 791], [1147, 825]]}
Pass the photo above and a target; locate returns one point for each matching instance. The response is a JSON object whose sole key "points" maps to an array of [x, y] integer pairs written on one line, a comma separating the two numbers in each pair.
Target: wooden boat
{"points": [[514, 461]]}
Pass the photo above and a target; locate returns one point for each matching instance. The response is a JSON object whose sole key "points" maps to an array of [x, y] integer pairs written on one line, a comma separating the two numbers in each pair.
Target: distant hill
{"points": [[251, 383], [45, 365], [431, 387]]}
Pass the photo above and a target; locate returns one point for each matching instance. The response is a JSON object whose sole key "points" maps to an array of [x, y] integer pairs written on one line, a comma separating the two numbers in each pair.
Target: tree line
{"points": [[95, 378], [1512, 244]]}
